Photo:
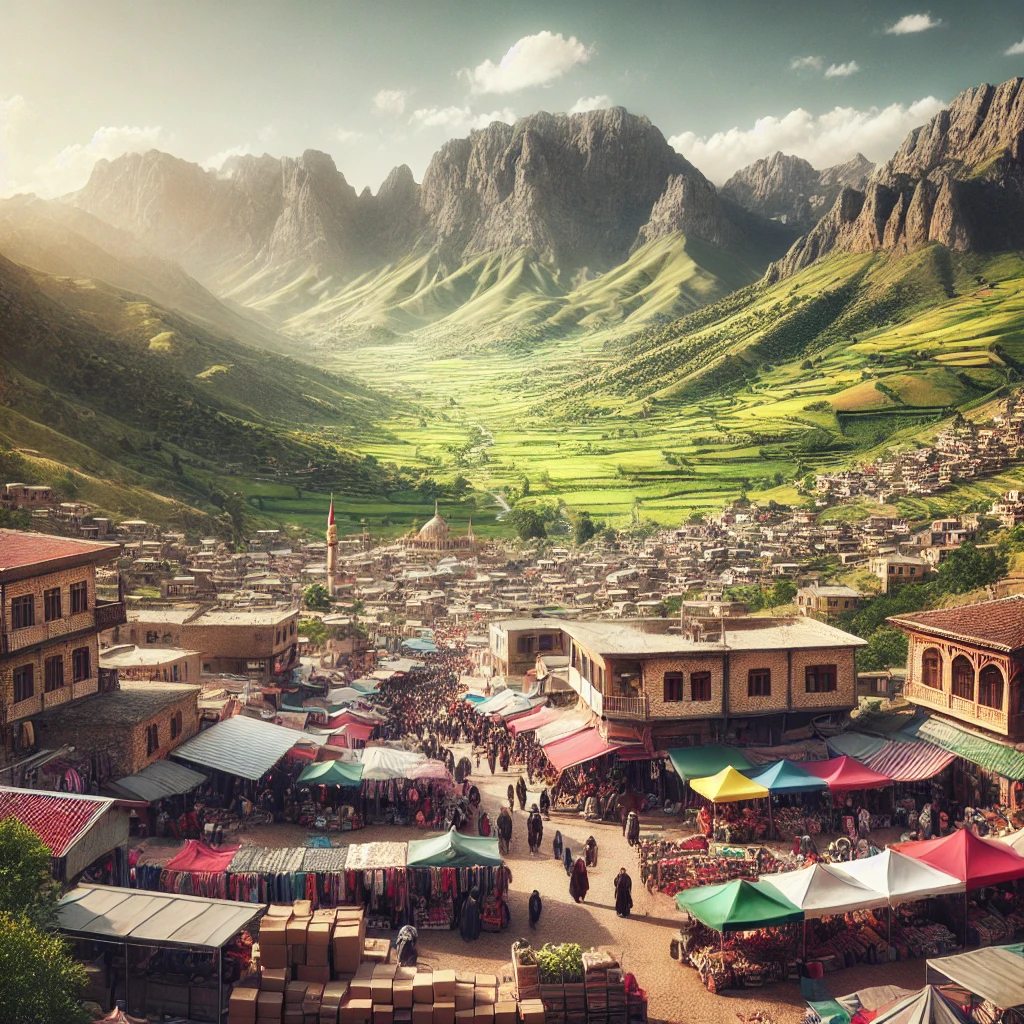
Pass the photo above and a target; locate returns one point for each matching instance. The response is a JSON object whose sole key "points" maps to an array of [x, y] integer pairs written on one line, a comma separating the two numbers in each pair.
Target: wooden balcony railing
{"points": [[110, 614], [626, 707], [995, 719]]}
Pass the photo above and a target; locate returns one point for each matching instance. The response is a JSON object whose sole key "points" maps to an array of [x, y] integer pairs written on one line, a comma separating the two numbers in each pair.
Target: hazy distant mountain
{"points": [[958, 180], [573, 194], [788, 189]]}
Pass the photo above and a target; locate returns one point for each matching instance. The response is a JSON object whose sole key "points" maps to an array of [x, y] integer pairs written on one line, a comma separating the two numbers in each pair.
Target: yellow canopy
{"points": [[727, 787]]}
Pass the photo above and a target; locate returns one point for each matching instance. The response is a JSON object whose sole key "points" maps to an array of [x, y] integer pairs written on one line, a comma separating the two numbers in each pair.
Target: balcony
{"points": [[994, 719], [110, 614], [626, 707]]}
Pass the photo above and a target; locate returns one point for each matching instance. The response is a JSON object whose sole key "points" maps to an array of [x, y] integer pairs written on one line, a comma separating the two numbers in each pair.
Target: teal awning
{"points": [[453, 850], [786, 777], [710, 759], [999, 758], [332, 773]]}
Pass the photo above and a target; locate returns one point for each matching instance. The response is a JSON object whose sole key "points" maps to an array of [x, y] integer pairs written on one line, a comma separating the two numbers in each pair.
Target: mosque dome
{"points": [[434, 529]]}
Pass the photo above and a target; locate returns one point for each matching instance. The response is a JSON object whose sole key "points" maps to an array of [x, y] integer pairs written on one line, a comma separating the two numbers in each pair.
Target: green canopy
{"points": [[710, 759], [738, 906], [332, 773], [453, 850]]}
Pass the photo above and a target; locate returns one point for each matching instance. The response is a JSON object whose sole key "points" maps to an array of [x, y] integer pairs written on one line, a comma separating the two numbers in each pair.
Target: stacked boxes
{"points": [[242, 1004]]}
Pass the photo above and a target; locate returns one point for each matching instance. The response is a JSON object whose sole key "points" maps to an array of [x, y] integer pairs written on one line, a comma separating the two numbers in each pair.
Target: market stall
{"points": [[708, 759], [786, 780], [259, 875], [375, 875], [333, 802], [993, 976], [731, 787], [445, 869], [899, 878], [198, 870], [404, 787]]}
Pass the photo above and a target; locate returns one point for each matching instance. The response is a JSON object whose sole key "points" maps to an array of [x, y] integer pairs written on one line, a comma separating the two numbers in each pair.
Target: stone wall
{"points": [[654, 676]]}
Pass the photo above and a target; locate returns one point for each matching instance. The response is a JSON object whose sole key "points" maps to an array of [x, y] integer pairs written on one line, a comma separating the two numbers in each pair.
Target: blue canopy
{"points": [[475, 698], [423, 646], [786, 777]]}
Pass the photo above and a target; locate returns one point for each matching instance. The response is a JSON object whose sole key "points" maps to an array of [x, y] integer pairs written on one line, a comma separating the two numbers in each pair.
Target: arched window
{"points": [[990, 687], [931, 668], [963, 678]]}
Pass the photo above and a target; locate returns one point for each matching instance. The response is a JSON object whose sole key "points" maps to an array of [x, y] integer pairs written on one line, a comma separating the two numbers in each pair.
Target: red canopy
{"points": [[968, 857], [196, 856], [577, 748], [846, 773], [534, 720]]}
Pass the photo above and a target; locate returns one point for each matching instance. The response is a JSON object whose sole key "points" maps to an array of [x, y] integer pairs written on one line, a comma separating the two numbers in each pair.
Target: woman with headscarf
{"points": [[504, 831], [579, 882], [503, 757], [521, 793], [567, 860], [556, 845], [534, 829], [511, 797], [925, 821], [633, 828], [623, 893], [469, 925], [545, 802], [405, 946], [590, 852], [536, 906]]}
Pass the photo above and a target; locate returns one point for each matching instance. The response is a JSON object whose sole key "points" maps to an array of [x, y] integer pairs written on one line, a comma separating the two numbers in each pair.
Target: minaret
{"points": [[469, 534], [332, 549]]}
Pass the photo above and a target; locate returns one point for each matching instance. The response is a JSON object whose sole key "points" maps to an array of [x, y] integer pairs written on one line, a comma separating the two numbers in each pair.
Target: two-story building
{"points": [[896, 570], [826, 601], [50, 621], [516, 643]]}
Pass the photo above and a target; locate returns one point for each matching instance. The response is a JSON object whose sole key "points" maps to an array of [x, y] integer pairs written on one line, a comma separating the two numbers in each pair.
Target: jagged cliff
{"points": [[957, 180]]}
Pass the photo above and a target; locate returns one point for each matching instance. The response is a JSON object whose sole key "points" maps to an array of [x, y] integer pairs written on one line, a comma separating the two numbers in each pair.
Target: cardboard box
{"points": [[274, 979], [348, 948], [274, 957], [483, 1013], [278, 910], [444, 1009], [314, 998], [321, 975], [359, 987], [318, 956], [463, 996], [505, 1012], [485, 996], [356, 1011], [242, 1003], [423, 987], [334, 992], [401, 994], [293, 1016], [532, 1011], [377, 950], [273, 931], [385, 970], [325, 1015], [423, 1013], [270, 1004], [294, 993], [319, 933], [486, 981], [302, 908], [296, 930], [405, 973], [383, 1014], [380, 990], [464, 1016], [444, 986]]}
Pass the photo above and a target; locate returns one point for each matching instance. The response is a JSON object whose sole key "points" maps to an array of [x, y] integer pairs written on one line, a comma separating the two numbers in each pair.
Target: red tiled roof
{"points": [[58, 820], [997, 624], [18, 549]]}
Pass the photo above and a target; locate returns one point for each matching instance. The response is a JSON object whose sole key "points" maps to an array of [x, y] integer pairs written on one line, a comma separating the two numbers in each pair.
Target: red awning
{"points": [[196, 856], [968, 857], [846, 773], [577, 748], [534, 720]]}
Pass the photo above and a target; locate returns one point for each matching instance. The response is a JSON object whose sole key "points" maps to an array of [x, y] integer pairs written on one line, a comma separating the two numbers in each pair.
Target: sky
{"points": [[381, 83]]}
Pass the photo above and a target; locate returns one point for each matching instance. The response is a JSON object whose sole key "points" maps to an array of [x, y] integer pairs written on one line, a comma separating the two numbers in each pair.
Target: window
{"points": [[51, 604], [24, 684], [990, 687], [53, 673], [524, 645], [277, 639], [700, 686], [545, 642], [152, 739], [291, 629], [820, 678], [80, 664], [673, 687], [931, 668], [833, 602], [759, 682], [963, 678], [23, 611], [175, 725], [79, 597], [152, 636], [174, 673]]}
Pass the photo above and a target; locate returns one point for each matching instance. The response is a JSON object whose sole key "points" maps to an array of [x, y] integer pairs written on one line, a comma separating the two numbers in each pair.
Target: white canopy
{"points": [[820, 891], [900, 878], [381, 763], [1015, 840], [994, 973], [562, 727]]}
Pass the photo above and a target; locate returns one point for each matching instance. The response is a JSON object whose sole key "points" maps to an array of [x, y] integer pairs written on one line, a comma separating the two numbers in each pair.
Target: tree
{"points": [[525, 489], [584, 528], [886, 648], [26, 886], [782, 593], [971, 567], [317, 598], [314, 630], [39, 981], [527, 523]]}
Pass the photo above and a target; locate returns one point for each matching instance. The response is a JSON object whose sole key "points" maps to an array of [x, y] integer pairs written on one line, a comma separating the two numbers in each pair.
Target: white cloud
{"points": [[347, 135], [1011, 51], [842, 70], [585, 103], [390, 102], [828, 139], [806, 64], [71, 167], [533, 60], [457, 121], [267, 133], [911, 23], [217, 161]]}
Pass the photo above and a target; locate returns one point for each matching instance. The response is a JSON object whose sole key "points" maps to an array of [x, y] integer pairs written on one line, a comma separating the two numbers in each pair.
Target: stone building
{"points": [[435, 535], [169, 664]]}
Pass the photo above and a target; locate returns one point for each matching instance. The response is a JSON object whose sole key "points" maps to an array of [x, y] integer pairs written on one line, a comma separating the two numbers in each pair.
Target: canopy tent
{"points": [[332, 773], [899, 878], [430, 771], [728, 786], [368, 686], [970, 858], [738, 906], [1015, 840], [157, 781], [110, 913], [786, 777], [421, 646], [843, 774], [534, 720], [380, 763], [576, 749], [903, 760], [819, 891], [346, 695], [474, 698], [453, 850], [565, 725], [994, 973], [196, 856], [240, 746], [929, 1006], [700, 762], [494, 704], [521, 706], [875, 999]]}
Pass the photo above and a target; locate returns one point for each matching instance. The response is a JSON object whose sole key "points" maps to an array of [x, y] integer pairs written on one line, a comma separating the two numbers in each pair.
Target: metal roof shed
{"points": [[157, 781], [241, 746]]}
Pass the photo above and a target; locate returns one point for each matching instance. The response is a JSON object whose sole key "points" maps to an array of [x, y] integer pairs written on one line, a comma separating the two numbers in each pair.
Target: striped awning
{"points": [[909, 762]]}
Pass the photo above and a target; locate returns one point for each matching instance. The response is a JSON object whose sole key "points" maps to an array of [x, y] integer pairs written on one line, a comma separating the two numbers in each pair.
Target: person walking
{"points": [[521, 793], [556, 845], [536, 906], [590, 852], [505, 831], [567, 861], [469, 925], [545, 803], [623, 893], [511, 797], [579, 881], [534, 829]]}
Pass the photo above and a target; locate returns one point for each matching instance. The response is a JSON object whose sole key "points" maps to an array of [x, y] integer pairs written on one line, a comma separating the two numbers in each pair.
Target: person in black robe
{"points": [[590, 852], [545, 803], [534, 829], [536, 906], [469, 925], [405, 946], [511, 797], [504, 831], [521, 793], [579, 881], [632, 828], [556, 845], [567, 861], [623, 893]]}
